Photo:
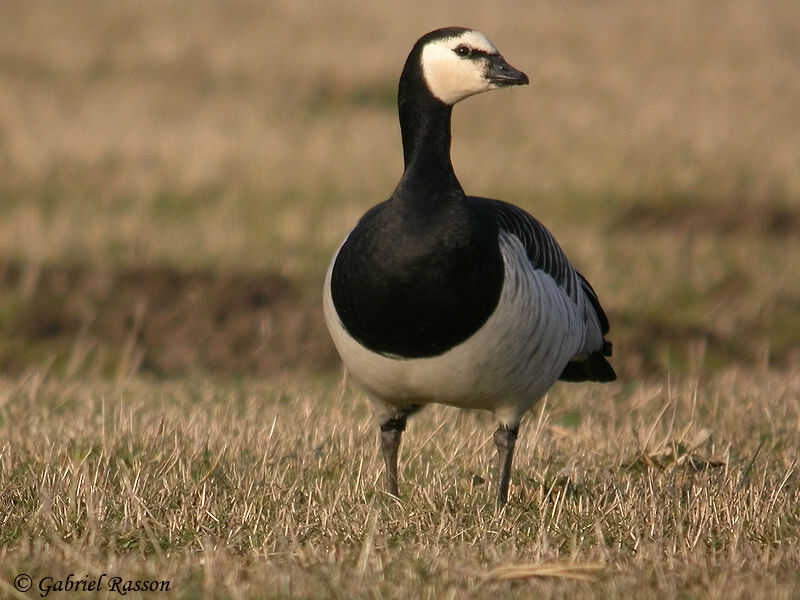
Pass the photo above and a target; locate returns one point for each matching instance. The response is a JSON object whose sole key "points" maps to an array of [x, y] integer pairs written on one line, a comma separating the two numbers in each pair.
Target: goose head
{"points": [[456, 63]]}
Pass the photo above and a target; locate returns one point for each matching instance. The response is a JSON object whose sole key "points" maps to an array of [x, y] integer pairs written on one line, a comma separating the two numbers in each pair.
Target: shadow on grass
{"points": [[157, 320], [165, 322]]}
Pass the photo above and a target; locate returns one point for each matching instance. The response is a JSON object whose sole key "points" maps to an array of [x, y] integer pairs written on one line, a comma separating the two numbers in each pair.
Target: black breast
{"points": [[414, 283]]}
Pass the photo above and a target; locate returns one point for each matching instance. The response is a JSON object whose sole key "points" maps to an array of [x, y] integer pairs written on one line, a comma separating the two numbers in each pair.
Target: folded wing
{"points": [[590, 363]]}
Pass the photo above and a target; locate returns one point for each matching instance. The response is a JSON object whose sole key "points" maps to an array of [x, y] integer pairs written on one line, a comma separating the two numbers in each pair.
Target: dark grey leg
{"points": [[505, 438], [391, 432]]}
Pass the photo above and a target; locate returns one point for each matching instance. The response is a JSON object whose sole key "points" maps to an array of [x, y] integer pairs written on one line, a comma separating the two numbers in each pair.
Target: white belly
{"points": [[505, 366]]}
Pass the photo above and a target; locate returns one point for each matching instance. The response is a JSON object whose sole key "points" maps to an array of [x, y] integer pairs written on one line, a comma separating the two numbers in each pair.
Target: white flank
{"points": [[505, 367]]}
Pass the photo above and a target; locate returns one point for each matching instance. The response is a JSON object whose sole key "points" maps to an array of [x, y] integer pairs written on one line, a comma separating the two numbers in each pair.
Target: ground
{"points": [[173, 180]]}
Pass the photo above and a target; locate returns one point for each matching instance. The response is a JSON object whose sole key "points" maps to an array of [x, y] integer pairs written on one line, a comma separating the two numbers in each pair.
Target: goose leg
{"points": [[391, 432], [504, 438]]}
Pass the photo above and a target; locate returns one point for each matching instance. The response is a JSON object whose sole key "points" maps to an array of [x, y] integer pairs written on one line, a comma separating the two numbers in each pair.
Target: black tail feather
{"points": [[594, 367]]}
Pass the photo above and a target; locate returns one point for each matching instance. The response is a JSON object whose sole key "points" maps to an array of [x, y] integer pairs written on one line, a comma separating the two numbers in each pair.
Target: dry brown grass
{"points": [[255, 126], [258, 489], [222, 145]]}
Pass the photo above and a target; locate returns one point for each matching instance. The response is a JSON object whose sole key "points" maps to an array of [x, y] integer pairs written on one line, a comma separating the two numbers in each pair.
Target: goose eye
{"points": [[463, 51]]}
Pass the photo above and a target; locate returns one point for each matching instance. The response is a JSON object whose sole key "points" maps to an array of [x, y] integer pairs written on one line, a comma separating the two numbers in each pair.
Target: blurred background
{"points": [[174, 176]]}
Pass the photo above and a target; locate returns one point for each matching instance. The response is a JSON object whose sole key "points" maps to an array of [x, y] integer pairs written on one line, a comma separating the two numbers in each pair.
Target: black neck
{"points": [[425, 127]]}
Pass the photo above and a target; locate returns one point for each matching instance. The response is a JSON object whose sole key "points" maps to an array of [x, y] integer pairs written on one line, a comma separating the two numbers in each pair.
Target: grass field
{"points": [[173, 180]]}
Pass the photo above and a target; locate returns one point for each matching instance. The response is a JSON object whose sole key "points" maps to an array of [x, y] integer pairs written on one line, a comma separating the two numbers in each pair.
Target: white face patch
{"points": [[450, 77]]}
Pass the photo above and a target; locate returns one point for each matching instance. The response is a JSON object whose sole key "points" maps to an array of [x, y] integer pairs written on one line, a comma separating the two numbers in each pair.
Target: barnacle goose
{"points": [[436, 296]]}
